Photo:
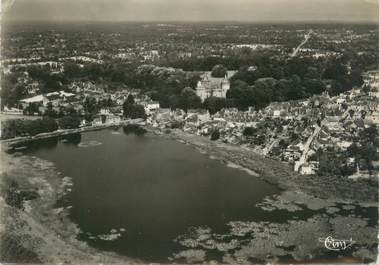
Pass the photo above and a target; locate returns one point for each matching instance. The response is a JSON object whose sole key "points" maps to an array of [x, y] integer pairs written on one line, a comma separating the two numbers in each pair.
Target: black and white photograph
{"points": [[189, 132]]}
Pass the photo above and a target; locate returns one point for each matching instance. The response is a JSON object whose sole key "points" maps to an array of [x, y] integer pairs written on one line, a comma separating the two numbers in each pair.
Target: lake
{"points": [[147, 197], [154, 188]]}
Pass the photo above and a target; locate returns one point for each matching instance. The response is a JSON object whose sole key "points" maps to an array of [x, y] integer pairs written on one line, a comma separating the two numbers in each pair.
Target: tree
{"points": [[259, 140], [188, 99], [336, 70], [50, 112], [31, 109], [215, 135], [312, 73], [330, 164], [292, 89], [219, 71], [37, 72], [49, 124], [130, 99], [69, 122], [11, 94], [14, 128], [249, 131], [365, 149], [370, 135], [356, 78], [314, 86], [134, 111], [240, 93], [72, 70], [214, 104], [246, 75], [91, 108]]}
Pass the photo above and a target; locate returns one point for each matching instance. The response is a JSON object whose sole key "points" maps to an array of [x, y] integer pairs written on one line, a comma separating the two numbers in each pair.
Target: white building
{"points": [[210, 86], [151, 106], [55, 98]]}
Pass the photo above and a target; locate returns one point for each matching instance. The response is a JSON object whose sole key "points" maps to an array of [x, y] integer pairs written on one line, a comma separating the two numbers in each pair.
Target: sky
{"points": [[192, 10]]}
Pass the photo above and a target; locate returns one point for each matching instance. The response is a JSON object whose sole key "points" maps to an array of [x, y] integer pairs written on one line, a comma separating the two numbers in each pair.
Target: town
{"points": [[319, 125], [189, 132]]}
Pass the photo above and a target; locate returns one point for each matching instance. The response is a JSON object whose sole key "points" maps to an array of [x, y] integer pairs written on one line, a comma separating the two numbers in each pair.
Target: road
{"points": [[304, 156], [307, 37]]}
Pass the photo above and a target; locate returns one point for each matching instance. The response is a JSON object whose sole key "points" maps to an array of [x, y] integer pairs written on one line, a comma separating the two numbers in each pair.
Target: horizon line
{"points": [[321, 21]]}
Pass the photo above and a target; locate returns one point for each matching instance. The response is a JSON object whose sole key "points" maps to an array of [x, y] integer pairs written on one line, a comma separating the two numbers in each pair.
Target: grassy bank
{"points": [[33, 229]]}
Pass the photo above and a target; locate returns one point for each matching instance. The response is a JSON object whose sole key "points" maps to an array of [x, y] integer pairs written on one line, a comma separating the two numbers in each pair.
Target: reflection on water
{"points": [[89, 144], [133, 129], [50, 143], [73, 139]]}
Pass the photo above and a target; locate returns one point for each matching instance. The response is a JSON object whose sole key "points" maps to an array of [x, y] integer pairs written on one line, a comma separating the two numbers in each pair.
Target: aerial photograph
{"points": [[189, 132]]}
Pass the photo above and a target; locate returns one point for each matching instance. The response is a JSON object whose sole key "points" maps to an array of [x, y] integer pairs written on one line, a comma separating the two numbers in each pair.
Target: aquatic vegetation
{"points": [[191, 255], [270, 241], [348, 207], [239, 228], [275, 203], [291, 201], [111, 236], [332, 210], [89, 144]]}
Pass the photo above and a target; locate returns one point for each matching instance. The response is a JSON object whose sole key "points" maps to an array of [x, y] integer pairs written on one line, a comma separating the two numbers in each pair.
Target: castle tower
{"points": [[216, 87], [201, 91], [225, 86]]}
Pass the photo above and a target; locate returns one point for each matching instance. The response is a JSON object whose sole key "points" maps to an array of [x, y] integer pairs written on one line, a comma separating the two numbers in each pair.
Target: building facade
{"points": [[210, 86]]}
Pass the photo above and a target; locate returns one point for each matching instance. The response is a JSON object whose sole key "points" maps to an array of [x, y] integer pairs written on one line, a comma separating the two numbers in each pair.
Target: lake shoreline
{"points": [[277, 172], [273, 171]]}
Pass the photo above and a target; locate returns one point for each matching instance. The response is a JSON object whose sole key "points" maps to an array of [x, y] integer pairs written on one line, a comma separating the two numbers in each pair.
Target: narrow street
{"points": [[304, 156]]}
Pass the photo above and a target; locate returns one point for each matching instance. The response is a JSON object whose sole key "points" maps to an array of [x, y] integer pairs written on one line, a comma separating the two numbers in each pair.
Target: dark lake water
{"points": [[156, 189], [143, 192]]}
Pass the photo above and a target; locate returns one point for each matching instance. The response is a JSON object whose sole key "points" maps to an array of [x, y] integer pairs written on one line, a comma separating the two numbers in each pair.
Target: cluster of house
{"points": [[62, 101], [81, 59], [317, 53], [53, 98], [290, 131], [145, 55], [12, 65], [57, 66]]}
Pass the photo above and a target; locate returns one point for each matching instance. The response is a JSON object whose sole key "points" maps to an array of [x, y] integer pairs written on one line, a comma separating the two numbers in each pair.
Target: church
{"points": [[210, 86]]}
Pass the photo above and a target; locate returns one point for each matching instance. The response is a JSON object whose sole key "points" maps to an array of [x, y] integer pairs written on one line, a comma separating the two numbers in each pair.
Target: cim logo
{"points": [[336, 244]]}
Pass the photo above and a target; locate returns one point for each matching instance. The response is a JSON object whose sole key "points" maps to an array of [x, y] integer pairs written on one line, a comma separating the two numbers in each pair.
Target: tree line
{"points": [[23, 127]]}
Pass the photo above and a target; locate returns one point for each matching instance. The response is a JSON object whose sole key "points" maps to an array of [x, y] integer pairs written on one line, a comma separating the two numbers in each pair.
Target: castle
{"points": [[210, 86]]}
